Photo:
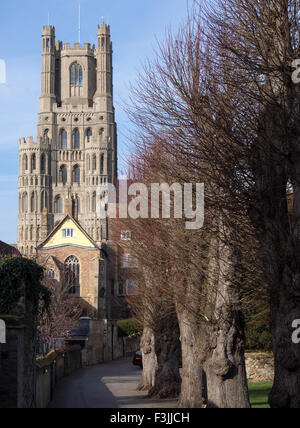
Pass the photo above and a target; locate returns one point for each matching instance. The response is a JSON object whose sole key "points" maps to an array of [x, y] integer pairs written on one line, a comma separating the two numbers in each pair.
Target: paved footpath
{"points": [[107, 386]]}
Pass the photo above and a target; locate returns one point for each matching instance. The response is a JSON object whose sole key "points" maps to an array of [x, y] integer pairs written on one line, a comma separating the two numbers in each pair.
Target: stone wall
{"points": [[260, 367], [51, 369], [16, 364], [125, 347], [132, 344], [104, 343]]}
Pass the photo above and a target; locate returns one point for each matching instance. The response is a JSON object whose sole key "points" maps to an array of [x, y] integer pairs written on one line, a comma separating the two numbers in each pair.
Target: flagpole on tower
{"points": [[79, 23]]}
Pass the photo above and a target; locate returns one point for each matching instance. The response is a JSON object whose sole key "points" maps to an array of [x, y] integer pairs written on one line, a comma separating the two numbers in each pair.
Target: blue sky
{"points": [[135, 25]]}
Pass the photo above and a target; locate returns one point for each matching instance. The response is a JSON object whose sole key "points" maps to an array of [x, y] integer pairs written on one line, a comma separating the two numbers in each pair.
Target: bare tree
{"points": [[154, 308], [222, 91], [171, 100]]}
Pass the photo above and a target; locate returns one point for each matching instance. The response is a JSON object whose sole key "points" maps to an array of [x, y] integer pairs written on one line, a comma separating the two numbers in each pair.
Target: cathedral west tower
{"points": [[76, 147]]}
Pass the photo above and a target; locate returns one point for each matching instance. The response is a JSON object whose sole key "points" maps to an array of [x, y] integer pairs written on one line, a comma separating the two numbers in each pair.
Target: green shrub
{"points": [[258, 337], [19, 276], [129, 327]]}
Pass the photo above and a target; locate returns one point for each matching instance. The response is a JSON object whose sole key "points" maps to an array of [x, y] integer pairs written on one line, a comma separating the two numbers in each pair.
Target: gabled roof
{"points": [[55, 261], [80, 238], [8, 250]]}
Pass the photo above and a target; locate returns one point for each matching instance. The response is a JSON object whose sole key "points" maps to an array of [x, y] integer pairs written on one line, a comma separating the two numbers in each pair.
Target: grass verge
{"points": [[259, 393]]}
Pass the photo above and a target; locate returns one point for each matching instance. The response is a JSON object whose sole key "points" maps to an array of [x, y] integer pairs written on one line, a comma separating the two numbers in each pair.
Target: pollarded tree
{"points": [[154, 308], [223, 91], [259, 41], [171, 99]]}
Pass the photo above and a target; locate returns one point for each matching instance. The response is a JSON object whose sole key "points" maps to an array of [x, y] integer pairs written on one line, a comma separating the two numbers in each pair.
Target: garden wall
{"points": [[260, 367], [51, 369]]}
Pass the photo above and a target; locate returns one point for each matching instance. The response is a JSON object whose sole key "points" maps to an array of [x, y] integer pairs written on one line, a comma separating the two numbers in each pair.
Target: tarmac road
{"points": [[107, 386]]}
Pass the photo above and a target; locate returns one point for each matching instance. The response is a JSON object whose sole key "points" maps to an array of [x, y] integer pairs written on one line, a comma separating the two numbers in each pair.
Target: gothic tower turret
{"points": [[48, 97]]}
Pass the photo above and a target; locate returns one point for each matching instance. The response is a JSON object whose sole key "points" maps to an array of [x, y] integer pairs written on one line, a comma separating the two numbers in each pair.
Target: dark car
{"points": [[138, 359]]}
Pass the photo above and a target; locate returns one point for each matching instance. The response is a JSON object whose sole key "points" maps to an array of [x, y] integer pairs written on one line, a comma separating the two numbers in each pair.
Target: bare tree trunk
{"points": [[167, 348], [283, 273], [223, 335], [149, 360], [278, 232], [286, 389], [193, 388], [226, 372]]}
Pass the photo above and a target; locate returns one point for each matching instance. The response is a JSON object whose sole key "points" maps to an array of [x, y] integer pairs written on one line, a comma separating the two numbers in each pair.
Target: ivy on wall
{"points": [[20, 277]]}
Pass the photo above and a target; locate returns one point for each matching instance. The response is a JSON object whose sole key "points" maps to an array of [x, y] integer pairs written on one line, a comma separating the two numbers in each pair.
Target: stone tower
{"points": [[76, 147]]}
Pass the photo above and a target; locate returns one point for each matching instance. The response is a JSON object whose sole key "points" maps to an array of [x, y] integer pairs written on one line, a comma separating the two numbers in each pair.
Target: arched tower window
{"points": [[63, 139], [51, 273], [76, 75], [76, 139], [89, 135], [94, 202], [33, 202], [44, 200], [25, 163], [76, 80], [63, 175], [33, 162], [88, 163], [76, 174], [73, 275], [24, 202], [58, 205], [43, 164], [102, 164], [94, 163]]}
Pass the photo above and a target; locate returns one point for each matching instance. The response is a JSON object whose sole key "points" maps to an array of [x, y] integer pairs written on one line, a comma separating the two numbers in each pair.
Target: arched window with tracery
{"points": [[63, 174], [76, 139], [102, 163], [24, 202], [33, 202], [43, 163], [58, 205], [44, 200], [72, 268], [76, 80], [94, 163], [94, 199], [51, 273], [63, 139], [89, 135], [76, 174], [25, 163], [33, 162]]}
